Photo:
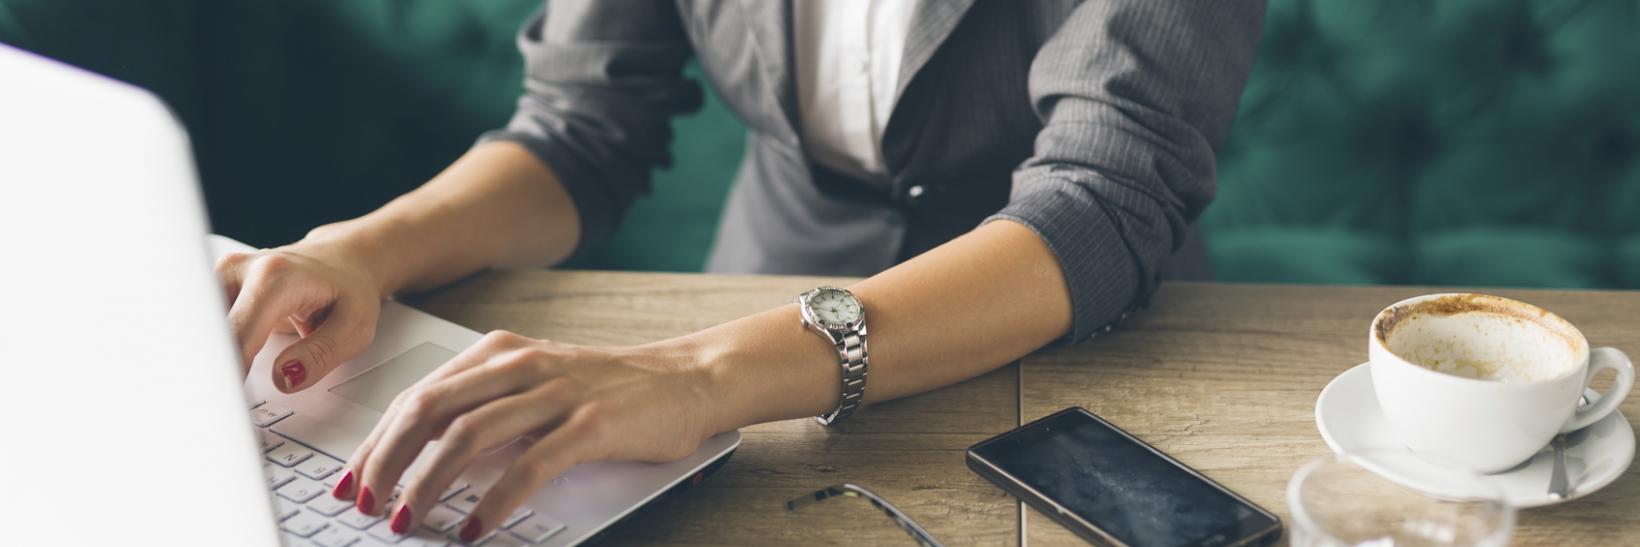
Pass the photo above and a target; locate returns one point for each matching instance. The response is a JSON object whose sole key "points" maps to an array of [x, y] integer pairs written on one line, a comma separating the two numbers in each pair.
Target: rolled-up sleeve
{"points": [[1135, 96], [602, 80]]}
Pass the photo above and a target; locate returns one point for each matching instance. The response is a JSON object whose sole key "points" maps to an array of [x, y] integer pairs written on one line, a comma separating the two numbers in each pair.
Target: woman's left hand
{"points": [[581, 404]]}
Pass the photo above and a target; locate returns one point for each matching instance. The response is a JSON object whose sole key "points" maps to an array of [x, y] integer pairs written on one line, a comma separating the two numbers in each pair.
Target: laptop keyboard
{"points": [[302, 477]]}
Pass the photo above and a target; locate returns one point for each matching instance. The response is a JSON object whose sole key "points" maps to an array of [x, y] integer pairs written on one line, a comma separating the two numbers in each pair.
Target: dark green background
{"points": [[1479, 142]]}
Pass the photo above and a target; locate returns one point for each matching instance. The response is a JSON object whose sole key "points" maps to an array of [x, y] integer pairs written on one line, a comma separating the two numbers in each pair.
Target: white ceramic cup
{"points": [[1488, 425]]}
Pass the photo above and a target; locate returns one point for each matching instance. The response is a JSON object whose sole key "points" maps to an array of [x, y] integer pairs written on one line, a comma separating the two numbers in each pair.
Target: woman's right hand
{"points": [[317, 289]]}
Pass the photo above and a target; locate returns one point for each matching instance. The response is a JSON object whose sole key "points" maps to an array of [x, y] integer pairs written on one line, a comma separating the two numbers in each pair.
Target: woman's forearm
{"points": [[953, 313], [495, 206], [962, 309]]}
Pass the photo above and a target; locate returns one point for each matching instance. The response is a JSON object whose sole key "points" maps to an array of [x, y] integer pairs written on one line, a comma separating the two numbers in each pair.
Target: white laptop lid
{"points": [[121, 417]]}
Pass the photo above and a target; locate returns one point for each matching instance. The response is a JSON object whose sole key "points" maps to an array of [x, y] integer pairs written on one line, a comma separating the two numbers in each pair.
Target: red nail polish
{"points": [[367, 502], [343, 486], [469, 531], [294, 373], [401, 520]]}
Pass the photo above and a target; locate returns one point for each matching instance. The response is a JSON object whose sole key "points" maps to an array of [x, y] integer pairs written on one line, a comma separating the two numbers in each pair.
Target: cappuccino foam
{"points": [[1483, 345]]}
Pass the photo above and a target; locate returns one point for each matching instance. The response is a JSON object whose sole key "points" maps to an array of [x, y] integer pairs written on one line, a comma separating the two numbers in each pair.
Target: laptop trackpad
{"points": [[376, 388]]}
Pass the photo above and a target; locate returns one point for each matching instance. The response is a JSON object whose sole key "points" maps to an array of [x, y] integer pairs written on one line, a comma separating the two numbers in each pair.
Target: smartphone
{"points": [[1111, 488]]}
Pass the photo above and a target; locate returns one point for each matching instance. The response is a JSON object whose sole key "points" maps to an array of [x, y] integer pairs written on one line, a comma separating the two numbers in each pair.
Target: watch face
{"points": [[835, 307]]}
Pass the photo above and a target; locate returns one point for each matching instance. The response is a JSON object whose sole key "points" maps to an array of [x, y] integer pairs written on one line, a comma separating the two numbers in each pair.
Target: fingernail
{"points": [[343, 486], [469, 531], [367, 501], [401, 520], [294, 373]]}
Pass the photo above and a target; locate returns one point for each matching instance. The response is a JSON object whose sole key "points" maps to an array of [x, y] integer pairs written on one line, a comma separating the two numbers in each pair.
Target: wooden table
{"points": [[1222, 376]]}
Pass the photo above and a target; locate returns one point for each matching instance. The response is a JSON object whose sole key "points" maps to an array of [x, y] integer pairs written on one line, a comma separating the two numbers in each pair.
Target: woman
{"points": [[890, 139]]}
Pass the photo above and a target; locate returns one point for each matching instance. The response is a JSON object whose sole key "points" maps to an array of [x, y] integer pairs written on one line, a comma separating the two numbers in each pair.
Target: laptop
{"points": [[122, 406]]}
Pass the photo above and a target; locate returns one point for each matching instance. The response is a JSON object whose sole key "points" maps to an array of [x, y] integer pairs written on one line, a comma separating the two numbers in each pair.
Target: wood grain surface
{"points": [[1225, 377], [1222, 376], [908, 451]]}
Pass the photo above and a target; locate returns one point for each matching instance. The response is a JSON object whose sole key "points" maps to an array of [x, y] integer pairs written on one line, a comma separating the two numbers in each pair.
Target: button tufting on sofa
{"points": [[1478, 142]]}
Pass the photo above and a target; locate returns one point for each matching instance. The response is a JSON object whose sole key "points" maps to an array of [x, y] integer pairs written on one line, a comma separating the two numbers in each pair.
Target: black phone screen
{"points": [[1119, 485]]}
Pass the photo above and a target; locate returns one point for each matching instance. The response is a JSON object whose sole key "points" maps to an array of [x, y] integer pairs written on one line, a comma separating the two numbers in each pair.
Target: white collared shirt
{"points": [[848, 69]]}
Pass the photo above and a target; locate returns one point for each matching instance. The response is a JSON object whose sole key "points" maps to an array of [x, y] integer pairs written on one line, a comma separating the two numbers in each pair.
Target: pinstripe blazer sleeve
{"points": [[1134, 96], [602, 80]]}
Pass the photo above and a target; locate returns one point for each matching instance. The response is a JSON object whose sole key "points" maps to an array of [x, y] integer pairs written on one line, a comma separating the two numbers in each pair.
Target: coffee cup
{"points": [[1483, 381]]}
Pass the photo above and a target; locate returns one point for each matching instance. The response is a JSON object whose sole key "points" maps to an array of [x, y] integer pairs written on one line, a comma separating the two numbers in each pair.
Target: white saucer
{"points": [[1350, 421]]}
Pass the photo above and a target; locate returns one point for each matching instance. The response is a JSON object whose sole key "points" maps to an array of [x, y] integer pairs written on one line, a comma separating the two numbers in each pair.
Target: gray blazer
{"points": [[1093, 123]]}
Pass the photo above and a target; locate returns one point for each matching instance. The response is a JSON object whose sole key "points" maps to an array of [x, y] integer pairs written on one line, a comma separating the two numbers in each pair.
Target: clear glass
{"points": [[1336, 501]]}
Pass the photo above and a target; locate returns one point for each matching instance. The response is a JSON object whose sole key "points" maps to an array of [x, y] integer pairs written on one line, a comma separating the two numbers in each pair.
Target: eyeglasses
{"points": [[855, 491]]}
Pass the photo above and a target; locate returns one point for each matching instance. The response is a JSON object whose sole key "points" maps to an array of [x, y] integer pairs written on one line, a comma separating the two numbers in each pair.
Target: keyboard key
{"points": [[328, 505], [320, 436], [318, 467], [269, 441], [290, 454], [455, 538], [383, 531], [357, 520], [424, 541], [277, 476], [537, 528], [441, 519], [452, 490], [267, 415], [301, 490], [465, 502], [304, 523], [503, 539], [336, 536], [284, 509], [518, 514]]}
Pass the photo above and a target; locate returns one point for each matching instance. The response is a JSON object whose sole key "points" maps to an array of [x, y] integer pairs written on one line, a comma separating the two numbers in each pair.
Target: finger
{"points": [[286, 327], [261, 302], [346, 486], [346, 332], [471, 434], [570, 443], [366, 501], [493, 345], [474, 355], [230, 273], [428, 410], [459, 387], [304, 324], [488, 349]]}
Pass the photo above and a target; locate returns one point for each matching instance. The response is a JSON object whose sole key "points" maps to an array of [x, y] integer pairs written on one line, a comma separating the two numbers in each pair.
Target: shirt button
{"points": [[914, 194]]}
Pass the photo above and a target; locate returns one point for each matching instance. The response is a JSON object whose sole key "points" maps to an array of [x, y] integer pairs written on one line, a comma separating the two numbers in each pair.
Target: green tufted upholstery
{"points": [[1475, 142], [1480, 142]]}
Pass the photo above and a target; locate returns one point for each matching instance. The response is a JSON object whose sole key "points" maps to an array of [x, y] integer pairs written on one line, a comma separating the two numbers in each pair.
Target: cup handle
{"points": [[1602, 358]]}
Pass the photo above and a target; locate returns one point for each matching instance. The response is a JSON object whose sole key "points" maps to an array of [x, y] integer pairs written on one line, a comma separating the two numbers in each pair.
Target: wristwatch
{"points": [[836, 315]]}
